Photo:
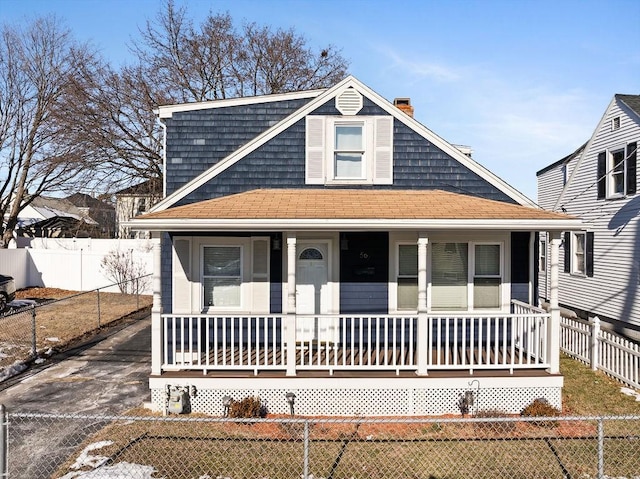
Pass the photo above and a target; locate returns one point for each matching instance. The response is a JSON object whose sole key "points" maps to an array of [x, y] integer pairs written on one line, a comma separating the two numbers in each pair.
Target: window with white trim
{"points": [[466, 276], [487, 276], [222, 276], [578, 265], [407, 278], [449, 276], [349, 150], [616, 171], [615, 123], [579, 252], [543, 256]]}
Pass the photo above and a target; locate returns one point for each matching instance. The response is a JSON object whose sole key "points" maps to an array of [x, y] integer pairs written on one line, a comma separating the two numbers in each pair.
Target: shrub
{"points": [[501, 427], [248, 407], [541, 408]]}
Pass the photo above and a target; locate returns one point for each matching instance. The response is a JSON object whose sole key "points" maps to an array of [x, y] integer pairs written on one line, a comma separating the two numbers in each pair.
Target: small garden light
{"points": [[291, 398]]}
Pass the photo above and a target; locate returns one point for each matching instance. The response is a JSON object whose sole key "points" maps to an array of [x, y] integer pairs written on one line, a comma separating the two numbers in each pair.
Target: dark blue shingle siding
{"points": [[280, 163], [224, 130]]}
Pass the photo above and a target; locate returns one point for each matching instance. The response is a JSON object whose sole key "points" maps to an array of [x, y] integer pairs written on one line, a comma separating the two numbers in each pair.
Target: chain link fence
{"points": [[38, 446], [47, 326]]}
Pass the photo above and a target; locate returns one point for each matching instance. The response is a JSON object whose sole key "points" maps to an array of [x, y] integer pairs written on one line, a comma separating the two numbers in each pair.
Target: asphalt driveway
{"points": [[106, 376]]}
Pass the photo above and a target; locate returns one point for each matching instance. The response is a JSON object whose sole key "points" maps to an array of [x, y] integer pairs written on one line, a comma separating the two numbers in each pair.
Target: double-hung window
{"points": [[578, 265], [579, 253], [543, 256], [617, 173], [407, 276], [349, 151], [449, 276], [222, 276], [466, 276], [487, 276]]}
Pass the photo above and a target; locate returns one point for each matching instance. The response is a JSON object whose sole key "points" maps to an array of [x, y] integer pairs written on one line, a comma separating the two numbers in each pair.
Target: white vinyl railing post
{"points": [[423, 326], [553, 331], [157, 341], [595, 339], [290, 318]]}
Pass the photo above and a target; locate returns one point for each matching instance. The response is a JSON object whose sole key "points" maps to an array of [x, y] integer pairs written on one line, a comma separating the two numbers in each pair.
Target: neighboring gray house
{"points": [[598, 183], [49, 217], [326, 243], [133, 201]]}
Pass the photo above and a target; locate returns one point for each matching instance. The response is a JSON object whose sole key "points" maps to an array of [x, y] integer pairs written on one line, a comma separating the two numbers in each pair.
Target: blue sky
{"points": [[522, 82]]}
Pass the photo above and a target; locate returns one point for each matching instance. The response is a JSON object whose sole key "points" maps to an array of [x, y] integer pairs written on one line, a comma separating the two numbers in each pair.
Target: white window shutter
{"points": [[383, 154], [315, 150], [181, 276]]}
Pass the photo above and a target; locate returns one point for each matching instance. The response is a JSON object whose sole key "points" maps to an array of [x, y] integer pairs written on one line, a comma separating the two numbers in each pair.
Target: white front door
{"points": [[312, 293]]}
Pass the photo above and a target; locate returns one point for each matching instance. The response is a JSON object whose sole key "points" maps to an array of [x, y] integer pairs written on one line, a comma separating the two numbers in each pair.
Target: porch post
{"points": [[157, 345], [553, 334], [290, 336], [423, 326]]}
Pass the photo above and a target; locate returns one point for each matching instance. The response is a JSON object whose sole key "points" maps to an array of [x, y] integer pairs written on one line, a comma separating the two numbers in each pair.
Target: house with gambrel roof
{"points": [[325, 243]]}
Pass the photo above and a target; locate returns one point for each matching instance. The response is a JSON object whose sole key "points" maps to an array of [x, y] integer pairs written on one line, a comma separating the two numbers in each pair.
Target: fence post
{"points": [[600, 448], [305, 472], [34, 349], [98, 291], [4, 441], [595, 340]]}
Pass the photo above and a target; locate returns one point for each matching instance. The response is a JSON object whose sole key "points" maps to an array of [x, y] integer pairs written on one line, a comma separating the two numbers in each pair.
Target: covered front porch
{"points": [[267, 294]]}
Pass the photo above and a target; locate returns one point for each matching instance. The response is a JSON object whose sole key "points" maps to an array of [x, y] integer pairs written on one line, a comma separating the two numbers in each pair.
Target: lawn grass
{"points": [[62, 319], [593, 393]]}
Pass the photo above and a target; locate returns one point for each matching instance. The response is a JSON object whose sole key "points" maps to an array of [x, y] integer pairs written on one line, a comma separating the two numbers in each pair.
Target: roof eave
{"points": [[208, 225]]}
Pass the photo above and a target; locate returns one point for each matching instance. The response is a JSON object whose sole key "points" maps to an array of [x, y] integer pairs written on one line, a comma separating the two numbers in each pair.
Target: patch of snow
{"points": [[22, 303], [39, 360], [48, 352], [87, 460], [631, 392], [13, 370], [53, 339], [122, 470]]}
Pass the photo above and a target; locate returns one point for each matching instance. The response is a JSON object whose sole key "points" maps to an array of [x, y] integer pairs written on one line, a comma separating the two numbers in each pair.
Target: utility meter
{"points": [[178, 399]]}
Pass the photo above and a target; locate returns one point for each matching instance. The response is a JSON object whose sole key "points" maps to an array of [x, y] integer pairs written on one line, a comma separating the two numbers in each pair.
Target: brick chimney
{"points": [[404, 104]]}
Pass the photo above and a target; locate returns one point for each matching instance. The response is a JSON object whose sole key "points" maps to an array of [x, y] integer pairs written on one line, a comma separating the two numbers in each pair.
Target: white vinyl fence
{"points": [[74, 264], [614, 355]]}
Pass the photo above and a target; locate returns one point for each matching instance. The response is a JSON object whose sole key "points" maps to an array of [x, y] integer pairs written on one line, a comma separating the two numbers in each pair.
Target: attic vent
{"points": [[349, 102]]}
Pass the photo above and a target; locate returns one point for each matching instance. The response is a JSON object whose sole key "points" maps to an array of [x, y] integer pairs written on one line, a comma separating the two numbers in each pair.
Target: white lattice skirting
{"points": [[365, 397]]}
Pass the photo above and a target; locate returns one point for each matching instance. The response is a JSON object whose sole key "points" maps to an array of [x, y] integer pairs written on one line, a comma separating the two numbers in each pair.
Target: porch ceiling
{"points": [[331, 209]]}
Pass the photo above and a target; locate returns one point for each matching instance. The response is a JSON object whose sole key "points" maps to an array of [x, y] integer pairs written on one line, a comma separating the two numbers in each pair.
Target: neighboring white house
{"points": [[133, 201], [326, 243], [598, 183]]}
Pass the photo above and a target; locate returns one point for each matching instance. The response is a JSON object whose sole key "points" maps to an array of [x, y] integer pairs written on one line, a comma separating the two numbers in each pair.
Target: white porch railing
{"points": [[614, 355], [357, 342]]}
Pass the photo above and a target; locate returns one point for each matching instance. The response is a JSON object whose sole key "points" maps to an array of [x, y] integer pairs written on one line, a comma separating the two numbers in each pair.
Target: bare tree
{"points": [[179, 62], [37, 152]]}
